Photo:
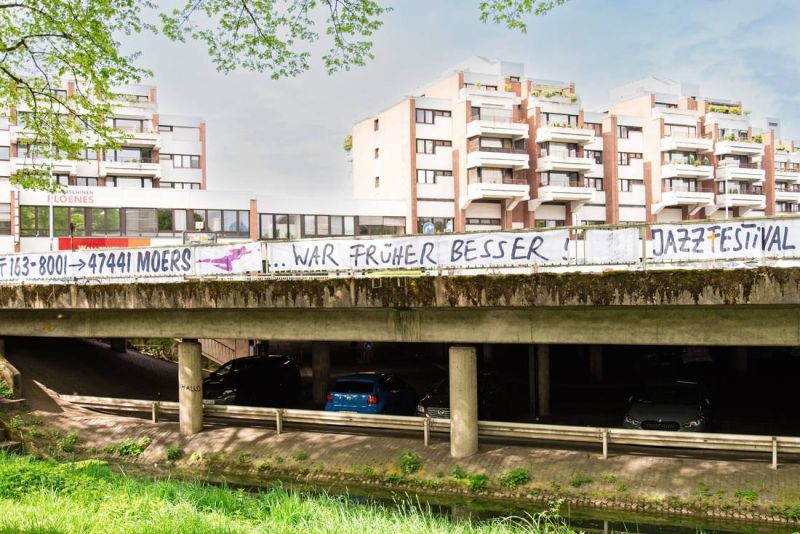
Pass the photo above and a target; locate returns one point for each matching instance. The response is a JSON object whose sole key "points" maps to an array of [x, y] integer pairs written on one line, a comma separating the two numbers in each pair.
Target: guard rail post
{"points": [[426, 430], [605, 444], [154, 414], [774, 453], [279, 421]]}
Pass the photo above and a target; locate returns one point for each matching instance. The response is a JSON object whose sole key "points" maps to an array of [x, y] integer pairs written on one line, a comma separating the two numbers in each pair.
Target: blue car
{"points": [[378, 393]]}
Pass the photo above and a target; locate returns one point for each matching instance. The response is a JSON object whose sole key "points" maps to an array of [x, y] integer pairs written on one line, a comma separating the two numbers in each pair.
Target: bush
{"points": [[514, 478], [5, 391], [749, 496], [174, 453], [579, 480], [409, 462], [67, 443], [457, 473], [129, 447], [300, 456], [477, 482]]}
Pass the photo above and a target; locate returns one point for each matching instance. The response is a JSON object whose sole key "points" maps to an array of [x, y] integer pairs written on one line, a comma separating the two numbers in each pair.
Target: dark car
{"points": [[272, 381], [378, 393], [494, 399], [678, 406]]}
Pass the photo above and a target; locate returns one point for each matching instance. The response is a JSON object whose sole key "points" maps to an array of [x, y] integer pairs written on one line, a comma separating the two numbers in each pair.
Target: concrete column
{"points": [[740, 359], [2, 346], [596, 363], [118, 344], [190, 384], [532, 380], [320, 371], [543, 365], [463, 402]]}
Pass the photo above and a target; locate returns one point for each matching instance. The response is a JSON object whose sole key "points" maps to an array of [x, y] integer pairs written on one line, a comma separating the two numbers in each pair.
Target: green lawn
{"points": [[44, 496]]}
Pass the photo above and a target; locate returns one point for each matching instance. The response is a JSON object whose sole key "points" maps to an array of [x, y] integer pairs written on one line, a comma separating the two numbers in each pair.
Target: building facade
{"points": [[487, 147]]}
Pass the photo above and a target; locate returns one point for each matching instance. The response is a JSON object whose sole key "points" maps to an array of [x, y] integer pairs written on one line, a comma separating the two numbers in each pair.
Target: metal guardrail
{"points": [[491, 429]]}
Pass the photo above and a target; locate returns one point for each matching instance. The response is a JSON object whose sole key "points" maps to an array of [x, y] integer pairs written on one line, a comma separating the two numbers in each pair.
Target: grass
{"points": [[579, 480], [43, 496], [174, 453], [129, 447]]}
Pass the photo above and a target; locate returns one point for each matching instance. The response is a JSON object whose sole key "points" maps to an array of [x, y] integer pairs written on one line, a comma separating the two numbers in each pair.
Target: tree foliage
{"points": [[48, 44]]}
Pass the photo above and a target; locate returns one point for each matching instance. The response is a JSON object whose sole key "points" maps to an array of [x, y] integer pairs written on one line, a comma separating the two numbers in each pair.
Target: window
{"points": [[513, 78], [666, 105], [377, 182], [182, 161], [434, 225], [129, 183], [130, 155], [561, 179], [548, 223], [595, 183], [86, 181], [369, 225], [337, 225], [5, 219], [559, 119], [375, 125], [104, 221], [624, 158], [61, 179], [483, 222], [377, 153], [596, 155], [88, 154], [5, 153], [596, 126], [564, 150], [34, 221], [679, 130], [427, 176], [130, 125], [625, 131], [214, 220], [163, 128], [140, 221], [428, 116], [428, 146], [179, 185], [625, 185]]}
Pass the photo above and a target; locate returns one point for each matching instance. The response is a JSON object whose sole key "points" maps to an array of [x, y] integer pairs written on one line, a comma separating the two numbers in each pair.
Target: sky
{"points": [[284, 137]]}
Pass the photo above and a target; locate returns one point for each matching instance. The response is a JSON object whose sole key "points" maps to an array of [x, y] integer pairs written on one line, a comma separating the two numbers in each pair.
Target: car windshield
{"points": [[669, 395], [352, 386]]}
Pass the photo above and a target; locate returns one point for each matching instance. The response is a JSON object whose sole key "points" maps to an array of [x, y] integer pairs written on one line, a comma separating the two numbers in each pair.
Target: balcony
{"points": [[739, 171], [564, 133], [508, 158], [738, 147], [133, 136], [746, 198], [562, 191], [684, 195], [787, 193], [498, 126], [684, 169], [787, 173], [143, 167], [686, 144], [513, 189], [59, 166], [565, 162]]}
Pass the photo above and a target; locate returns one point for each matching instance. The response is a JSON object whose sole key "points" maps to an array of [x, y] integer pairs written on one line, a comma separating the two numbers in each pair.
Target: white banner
{"points": [[613, 246], [132, 262], [504, 249], [725, 240]]}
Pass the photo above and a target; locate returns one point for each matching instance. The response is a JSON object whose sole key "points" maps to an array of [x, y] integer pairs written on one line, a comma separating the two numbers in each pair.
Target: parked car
{"points": [[494, 398], [677, 406], [255, 381], [379, 393]]}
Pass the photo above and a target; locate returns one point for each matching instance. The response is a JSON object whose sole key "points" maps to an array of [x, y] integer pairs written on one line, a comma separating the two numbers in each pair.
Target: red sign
{"points": [[67, 243]]}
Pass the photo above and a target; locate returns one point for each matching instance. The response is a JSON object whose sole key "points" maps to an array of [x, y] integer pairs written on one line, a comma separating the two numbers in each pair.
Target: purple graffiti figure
{"points": [[225, 262]]}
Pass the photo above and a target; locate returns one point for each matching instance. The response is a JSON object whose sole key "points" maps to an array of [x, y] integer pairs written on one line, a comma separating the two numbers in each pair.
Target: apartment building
{"points": [[489, 147]]}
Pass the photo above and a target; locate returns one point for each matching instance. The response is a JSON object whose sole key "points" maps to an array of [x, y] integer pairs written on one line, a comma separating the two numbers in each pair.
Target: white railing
{"points": [[603, 437]]}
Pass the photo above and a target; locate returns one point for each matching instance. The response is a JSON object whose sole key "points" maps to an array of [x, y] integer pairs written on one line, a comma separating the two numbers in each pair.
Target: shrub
{"points": [[174, 453], [5, 391], [244, 459], [621, 487], [457, 473], [348, 143], [703, 490], [300, 456], [749, 496], [129, 447], [67, 443], [476, 482], [409, 462], [609, 479], [514, 478], [579, 480]]}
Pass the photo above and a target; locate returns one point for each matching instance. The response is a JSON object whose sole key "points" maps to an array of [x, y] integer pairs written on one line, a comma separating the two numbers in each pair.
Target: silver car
{"points": [[678, 407]]}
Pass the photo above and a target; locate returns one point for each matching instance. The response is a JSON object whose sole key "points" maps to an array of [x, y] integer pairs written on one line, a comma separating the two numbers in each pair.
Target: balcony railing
{"points": [[143, 159], [135, 129], [740, 164], [741, 190], [507, 180], [788, 167], [560, 182], [499, 119], [562, 124], [477, 148], [683, 135], [787, 188], [685, 161], [786, 207]]}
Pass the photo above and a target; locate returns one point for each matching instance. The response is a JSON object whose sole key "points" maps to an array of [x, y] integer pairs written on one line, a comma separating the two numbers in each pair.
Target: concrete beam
{"points": [[190, 387], [463, 401], [320, 371], [611, 325]]}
